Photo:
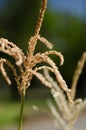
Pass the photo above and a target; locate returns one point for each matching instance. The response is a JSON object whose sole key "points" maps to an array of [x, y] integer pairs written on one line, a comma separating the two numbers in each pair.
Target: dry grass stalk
{"points": [[27, 64], [67, 114], [77, 73]]}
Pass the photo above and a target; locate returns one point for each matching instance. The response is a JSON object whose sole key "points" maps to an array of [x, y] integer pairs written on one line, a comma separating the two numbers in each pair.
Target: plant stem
{"points": [[21, 112]]}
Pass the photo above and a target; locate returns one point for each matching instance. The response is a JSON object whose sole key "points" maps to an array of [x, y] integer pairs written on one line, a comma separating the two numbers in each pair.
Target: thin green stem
{"points": [[21, 112]]}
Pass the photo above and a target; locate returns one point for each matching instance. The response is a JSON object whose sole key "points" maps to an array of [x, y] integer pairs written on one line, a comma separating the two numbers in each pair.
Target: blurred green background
{"points": [[64, 25]]}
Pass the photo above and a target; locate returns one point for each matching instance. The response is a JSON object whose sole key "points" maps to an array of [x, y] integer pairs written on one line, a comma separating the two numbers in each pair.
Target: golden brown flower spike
{"points": [[27, 64]]}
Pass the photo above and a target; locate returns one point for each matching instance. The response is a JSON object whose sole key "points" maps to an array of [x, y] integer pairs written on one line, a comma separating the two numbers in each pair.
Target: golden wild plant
{"points": [[27, 64]]}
